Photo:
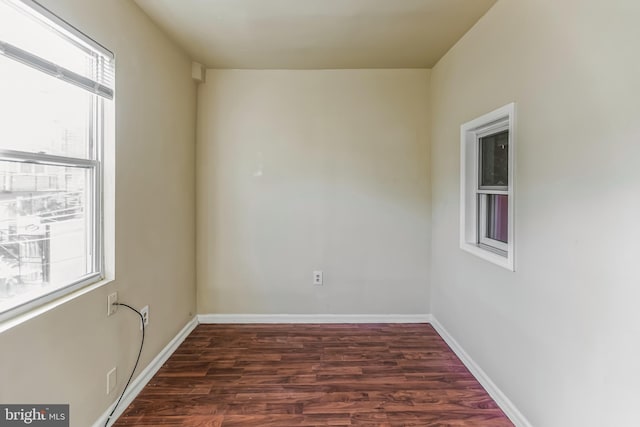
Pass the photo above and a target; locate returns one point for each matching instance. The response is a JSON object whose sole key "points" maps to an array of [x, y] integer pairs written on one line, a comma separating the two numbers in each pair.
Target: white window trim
{"points": [[490, 250]]}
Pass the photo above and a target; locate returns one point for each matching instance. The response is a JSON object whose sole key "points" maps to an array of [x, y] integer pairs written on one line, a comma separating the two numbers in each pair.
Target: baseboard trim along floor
{"points": [[143, 378], [314, 318], [138, 383], [496, 394]]}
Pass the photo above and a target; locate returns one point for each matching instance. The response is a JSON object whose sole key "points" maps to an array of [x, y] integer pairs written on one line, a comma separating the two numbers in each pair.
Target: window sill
{"points": [[23, 317], [489, 254]]}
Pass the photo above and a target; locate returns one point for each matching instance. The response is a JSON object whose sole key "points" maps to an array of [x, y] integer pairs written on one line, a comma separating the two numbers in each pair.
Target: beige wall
{"points": [[560, 335], [313, 170], [63, 356], [330, 170]]}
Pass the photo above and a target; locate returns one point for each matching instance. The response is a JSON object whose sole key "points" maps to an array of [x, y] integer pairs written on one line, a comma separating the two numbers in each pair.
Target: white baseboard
{"points": [[314, 318], [145, 376], [496, 394]]}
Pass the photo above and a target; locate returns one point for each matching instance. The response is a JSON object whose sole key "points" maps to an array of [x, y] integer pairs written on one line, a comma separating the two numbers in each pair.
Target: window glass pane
{"points": [[43, 114], [497, 217], [494, 160], [45, 223]]}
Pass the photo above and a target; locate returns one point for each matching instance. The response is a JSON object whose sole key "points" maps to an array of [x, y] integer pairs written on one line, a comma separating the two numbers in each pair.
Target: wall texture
{"points": [[63, 355], [331, 170], [560, 335], [313, 170]]}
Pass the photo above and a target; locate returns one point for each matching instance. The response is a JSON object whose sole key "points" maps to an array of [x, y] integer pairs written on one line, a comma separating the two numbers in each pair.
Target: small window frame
{"points": [[473, 196]]}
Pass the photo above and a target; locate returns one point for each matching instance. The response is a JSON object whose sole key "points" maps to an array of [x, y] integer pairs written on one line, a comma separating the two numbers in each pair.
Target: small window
{"points": [[486, 210], [56, 84]]}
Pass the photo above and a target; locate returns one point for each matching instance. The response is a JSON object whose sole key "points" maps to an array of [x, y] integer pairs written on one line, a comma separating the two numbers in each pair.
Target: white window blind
{"points": [[32, 35]]}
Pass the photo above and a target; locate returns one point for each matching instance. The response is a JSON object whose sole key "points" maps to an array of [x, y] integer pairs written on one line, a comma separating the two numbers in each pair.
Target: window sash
{"points": [[29, 303], [482, 191], [94, 203], [46, 159], [491, 129], [483, 218]]}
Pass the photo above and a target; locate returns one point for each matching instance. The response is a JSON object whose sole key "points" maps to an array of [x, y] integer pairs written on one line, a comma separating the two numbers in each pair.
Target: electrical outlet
{"points": [[317, 277], [112, 380], [145, 316], [111, 299]]}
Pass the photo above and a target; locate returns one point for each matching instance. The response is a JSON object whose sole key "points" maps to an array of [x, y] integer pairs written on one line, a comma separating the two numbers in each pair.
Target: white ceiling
{"points": [[316, 34]]}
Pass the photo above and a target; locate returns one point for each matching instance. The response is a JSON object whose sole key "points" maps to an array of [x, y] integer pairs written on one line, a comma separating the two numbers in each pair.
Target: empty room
{"points": [[319, 212]]}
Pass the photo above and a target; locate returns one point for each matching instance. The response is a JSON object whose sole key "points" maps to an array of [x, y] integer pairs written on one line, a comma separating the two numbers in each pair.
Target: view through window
{"points": [[54, 87]]}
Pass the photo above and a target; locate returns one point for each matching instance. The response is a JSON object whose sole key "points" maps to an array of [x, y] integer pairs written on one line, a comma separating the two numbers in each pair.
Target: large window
{"points": [[55, 84], [486, 208]]}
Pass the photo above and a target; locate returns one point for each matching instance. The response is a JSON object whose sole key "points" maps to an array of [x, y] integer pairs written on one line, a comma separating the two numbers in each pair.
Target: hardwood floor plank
{"points": [[313, 375]]}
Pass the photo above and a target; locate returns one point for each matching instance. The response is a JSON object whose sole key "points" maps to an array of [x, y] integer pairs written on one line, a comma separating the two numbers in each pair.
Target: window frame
{"points": [[102, 118], [473, 196]]}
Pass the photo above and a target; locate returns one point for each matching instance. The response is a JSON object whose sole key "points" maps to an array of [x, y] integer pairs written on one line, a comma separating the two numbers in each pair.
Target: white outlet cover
{"points": [[145, 314], [111, 309]]}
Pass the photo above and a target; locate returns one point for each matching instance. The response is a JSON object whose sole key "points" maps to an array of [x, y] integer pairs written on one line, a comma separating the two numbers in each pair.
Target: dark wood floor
{"points": [[314, 375]]}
